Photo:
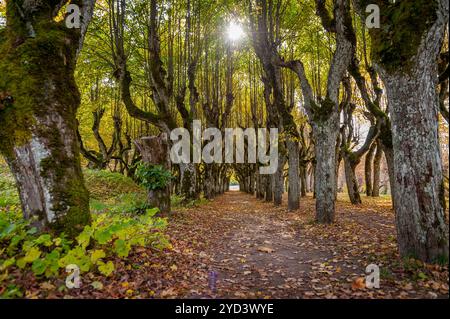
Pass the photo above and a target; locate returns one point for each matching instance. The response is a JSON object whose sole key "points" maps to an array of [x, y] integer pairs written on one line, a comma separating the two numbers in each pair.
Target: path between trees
{"points": [[258, 251]]}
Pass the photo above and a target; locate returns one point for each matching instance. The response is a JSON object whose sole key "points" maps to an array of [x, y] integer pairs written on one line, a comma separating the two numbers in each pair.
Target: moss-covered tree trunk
{"points": [[38, 128], [405, 52]]}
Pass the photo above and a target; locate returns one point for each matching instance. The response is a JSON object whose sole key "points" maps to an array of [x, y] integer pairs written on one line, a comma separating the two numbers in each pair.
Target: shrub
{"points": [[153, 177], [47, 255]]}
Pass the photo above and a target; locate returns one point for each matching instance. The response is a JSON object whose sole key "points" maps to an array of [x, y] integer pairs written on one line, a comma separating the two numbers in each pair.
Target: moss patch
{"points": [[403, 25]]}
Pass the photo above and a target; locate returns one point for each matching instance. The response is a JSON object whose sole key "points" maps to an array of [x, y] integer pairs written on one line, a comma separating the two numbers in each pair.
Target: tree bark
{"points": [[268, 191], [377, 171], [418, 180], [411, 78], [294, 176], [38, 136], [303, 182], [277, 183], [352, 182], [325, 170], [368, 170], [188, 180]]}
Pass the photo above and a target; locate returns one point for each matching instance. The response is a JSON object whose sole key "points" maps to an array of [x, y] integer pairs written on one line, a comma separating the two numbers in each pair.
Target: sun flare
{"points": [[235, 31]]}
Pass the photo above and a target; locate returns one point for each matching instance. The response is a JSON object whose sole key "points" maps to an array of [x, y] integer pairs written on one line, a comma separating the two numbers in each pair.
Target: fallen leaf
{"points": [[266, 249], [359, 283]]}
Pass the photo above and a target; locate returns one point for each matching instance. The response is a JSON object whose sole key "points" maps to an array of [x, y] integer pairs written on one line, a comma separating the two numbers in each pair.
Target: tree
{"points": [[323, 113], [352, 157], [265, 27], [38, 136], [405, 52]]}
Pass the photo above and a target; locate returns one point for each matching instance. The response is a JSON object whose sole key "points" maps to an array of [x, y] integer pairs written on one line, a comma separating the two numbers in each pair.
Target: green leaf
{"points": [[152, 212], [38, 267], [106, 269], [32, 255], [103, 237], [21, 263], [422, 276], [84, 238], [45, 240], [122, 248], [32, 231], [7, 263], [97, 255]]}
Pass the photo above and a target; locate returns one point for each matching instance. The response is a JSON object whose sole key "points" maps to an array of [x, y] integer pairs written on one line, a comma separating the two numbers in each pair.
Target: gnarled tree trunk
{"points": [[411, 77], [38, 126], [277, 182], [418, 180]]}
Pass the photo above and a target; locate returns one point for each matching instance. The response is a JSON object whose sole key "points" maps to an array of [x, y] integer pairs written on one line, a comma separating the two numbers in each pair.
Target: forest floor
{"points": [[258, 251], [255, 249]]}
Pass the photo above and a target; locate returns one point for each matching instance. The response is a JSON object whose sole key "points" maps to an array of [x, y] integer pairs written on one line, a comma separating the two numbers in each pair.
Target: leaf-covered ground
{"points": [[258, 251]]}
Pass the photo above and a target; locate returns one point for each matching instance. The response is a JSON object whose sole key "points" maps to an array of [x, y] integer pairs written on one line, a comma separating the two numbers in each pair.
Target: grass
{"points": [[105, 185], [109, 191], [8, 191], [178, 202]]}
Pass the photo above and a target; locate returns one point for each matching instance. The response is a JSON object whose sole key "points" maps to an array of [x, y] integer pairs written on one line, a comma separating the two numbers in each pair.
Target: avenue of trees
{"points": [[108, 94]]}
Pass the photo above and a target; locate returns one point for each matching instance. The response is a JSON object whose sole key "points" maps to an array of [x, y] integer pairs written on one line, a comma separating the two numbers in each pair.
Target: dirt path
{"points": [[258, 251]]}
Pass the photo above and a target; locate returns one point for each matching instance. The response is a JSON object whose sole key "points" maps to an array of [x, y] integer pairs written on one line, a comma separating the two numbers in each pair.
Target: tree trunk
{"points": [[47, 167], [389, 155], [188, 180], [259, 186], [208, 182], [311, 178], [278, 183], [252, 183], [377, 171], [352, 182], [269, 190], [418, 180], [294, 176], [303, 182], [325, 134], [368, 170], [155, 151], [38, 127], [411, 78]]}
